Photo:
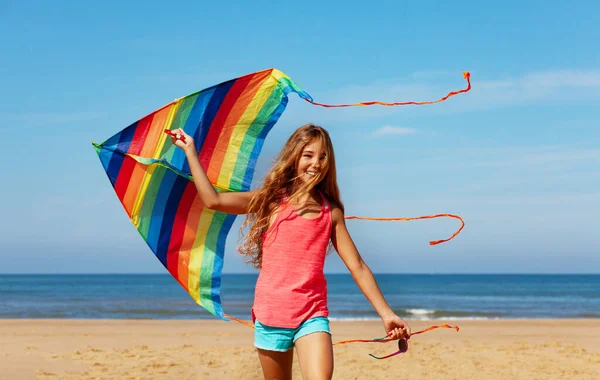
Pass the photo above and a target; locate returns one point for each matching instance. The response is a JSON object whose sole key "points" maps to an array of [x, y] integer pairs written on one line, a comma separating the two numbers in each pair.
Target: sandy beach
{"points": [[178, 349]]}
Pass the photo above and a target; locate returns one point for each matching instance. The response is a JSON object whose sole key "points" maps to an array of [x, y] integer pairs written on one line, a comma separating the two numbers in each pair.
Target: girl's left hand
{"points": [[396, 327]]}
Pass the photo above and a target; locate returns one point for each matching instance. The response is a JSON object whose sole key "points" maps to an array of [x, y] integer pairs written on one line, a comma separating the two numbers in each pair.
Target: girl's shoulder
{"points": [[337, 214], [333, 205]]}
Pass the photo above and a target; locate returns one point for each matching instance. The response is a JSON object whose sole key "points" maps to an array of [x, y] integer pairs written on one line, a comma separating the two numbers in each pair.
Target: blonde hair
{"points": [[282, 176]]}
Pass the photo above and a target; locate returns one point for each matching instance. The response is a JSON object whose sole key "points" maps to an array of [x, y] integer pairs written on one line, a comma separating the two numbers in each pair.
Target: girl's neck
{"points": [[312, 194]]}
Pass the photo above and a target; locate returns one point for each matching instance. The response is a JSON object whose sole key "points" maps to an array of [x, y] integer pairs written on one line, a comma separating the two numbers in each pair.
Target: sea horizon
{"points": [[412, 296]]}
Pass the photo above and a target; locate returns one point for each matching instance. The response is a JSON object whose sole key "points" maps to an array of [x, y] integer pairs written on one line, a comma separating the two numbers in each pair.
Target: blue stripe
{"points": [[218, 264], [192, 125], [258, 144], [105, 158], [120, 143], [212, 108], [166, 227], [159, 207]]}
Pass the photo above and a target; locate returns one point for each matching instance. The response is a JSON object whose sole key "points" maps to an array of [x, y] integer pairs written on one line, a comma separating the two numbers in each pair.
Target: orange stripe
{"points": [[147, 150], [233, 118], [189, 236]]}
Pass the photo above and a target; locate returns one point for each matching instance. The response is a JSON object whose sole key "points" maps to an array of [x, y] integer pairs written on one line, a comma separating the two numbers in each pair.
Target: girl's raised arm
{"points": [[230, 203]]}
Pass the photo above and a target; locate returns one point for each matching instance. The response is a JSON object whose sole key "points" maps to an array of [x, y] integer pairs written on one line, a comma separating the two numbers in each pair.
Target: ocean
{"points": [[412, 296]]}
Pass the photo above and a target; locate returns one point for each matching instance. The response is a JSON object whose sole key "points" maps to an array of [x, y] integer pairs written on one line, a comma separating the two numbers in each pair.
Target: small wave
{"points": [[420, 311], [427, 314]]}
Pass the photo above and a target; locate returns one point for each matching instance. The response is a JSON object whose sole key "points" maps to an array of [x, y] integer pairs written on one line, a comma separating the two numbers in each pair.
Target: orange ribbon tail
{"points": [[417, 218], [466, 75]]}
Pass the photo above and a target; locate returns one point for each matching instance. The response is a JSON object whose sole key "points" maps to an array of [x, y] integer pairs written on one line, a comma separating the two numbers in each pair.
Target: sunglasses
{"points": [[402, 348]]}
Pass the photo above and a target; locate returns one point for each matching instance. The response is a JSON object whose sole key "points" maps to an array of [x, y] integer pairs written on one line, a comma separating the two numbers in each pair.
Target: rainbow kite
{"points": [[151, 177]]}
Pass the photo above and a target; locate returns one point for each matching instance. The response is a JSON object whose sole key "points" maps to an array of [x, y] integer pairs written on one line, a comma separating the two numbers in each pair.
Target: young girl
{"points": [[294, 218]]}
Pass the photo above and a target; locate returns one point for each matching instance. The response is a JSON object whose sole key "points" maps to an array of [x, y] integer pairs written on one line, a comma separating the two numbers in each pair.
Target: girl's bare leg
{"points": [[276, 365], [315, 356]]}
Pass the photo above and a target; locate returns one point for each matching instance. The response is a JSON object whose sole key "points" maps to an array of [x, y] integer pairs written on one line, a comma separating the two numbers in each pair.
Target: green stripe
{"points": [[145, 213], [179, 120], [247, 146], [288, 82], [208, 260]]}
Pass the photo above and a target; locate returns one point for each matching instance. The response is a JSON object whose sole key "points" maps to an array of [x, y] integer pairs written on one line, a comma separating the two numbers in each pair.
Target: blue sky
{"points": [[517, 157]]}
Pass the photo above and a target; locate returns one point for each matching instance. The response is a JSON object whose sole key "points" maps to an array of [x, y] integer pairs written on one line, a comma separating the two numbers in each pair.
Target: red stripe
{"points": [[177, 233], [219, 121], [233, 118], [135, 147]]}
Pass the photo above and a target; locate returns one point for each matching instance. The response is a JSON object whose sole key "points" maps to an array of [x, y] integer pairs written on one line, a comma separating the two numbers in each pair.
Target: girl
{"points": [[294, 219]]}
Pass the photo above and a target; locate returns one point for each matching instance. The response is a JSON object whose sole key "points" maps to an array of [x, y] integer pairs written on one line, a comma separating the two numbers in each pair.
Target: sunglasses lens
{"points": [[402, 345]]}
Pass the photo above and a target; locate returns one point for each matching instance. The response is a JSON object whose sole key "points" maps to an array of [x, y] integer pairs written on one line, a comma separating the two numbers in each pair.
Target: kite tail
{"points": [[435, 242], [239, 320], [466, 75]]}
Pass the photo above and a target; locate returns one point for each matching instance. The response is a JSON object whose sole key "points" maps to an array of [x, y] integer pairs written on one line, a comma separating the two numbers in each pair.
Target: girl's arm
{"points": [[394, 326], [230, 203]]}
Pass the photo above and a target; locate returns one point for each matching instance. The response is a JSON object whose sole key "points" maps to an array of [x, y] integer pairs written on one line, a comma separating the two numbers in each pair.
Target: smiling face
{"points": [[312, 163]]}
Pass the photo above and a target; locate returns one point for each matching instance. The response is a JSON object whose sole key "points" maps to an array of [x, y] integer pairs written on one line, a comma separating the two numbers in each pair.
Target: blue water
{"points": [[411, 296]]}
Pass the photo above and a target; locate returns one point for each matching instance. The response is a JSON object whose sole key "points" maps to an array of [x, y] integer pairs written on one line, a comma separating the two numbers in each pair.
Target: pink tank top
{"points": [[291, 287]]}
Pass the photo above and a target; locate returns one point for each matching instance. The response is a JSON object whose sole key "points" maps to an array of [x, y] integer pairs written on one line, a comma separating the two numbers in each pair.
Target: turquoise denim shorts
{"points": [[283, 339]]}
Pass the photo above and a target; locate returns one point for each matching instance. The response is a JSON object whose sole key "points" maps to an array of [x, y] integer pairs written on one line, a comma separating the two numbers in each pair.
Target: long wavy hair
{"points": [[282, 176]]}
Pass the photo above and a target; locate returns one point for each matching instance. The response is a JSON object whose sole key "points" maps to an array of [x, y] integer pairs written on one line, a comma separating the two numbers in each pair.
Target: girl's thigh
{"points": [[315, 355], [276, 364]]}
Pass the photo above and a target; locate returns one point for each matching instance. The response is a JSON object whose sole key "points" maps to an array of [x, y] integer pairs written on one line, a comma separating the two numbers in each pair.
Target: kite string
{"points": [[435, 242], [239, 320], [466, 75]]}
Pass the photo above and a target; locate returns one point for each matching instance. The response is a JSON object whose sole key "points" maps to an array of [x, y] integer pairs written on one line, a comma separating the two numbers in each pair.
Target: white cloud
{"points": [[563, 78], [391, 130]]}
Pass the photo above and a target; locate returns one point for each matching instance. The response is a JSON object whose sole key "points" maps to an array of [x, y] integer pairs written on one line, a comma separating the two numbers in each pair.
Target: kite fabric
{"points": [[151, 177]]}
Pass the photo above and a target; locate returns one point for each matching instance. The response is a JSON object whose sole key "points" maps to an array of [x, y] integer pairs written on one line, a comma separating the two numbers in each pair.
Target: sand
{"points": [[142, 349]]}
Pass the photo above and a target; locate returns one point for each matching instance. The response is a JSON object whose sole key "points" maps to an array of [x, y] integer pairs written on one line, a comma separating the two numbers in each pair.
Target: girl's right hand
{"points": [[185, 141]]}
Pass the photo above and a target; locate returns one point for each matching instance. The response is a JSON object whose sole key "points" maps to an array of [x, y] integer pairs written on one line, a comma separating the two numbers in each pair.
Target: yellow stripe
{"points": [[278, 75], [195, 263], [241, 128], [148, 174]]}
